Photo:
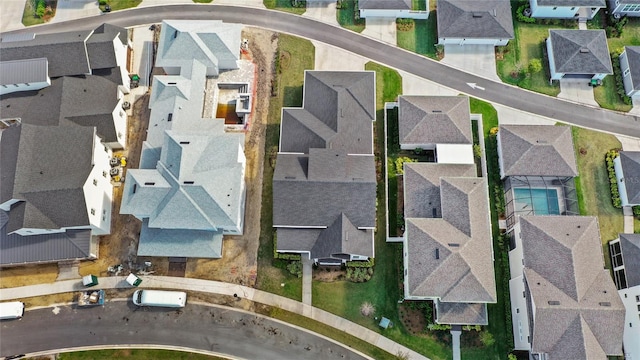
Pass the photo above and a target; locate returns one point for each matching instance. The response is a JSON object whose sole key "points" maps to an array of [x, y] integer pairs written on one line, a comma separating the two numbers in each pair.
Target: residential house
{"points": [[391, 9], [53, 198], [563, 301], [630, 67], [538, 166], [619, 8], [625, 260], [190, 188], [324, 183], [578, 54], [441, 124], [566, 9], [487, 22], [101, 51], [627, 167], [447, 246]]}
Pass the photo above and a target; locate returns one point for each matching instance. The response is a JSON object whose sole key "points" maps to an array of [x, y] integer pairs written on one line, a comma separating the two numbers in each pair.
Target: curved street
{"points": [[214, 329], [507, 95]]}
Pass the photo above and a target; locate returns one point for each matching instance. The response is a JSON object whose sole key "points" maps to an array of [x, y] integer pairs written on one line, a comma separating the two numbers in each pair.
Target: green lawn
{"points": [[296, 55], [138, 354], [528, 44], [607, 95], [630, 36], [422, 38], [122, 4], [346, 16], [593, 184], [636, 226], [29, 17], [284, 5]]}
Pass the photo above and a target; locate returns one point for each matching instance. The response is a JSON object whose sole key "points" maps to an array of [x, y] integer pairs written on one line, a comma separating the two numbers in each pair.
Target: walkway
{"points": [[627, 211], [307, 281], [217, 287], [456, 331]]}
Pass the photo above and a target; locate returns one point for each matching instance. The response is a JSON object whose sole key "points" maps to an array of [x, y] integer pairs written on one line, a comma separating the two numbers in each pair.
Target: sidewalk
{"points": [[216, 287]]}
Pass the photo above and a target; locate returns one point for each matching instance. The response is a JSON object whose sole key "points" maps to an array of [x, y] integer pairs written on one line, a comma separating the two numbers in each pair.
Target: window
{"points": [[638, 307], [135, 187], [95, 182], [626, 72], [104, 174], [517, 311], [27, 84], [637, 298], [170, 117], [93, 211], [175, 34], [555, 8]]}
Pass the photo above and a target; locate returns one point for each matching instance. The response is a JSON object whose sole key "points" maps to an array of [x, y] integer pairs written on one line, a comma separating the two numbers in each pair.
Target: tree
{"points": [[535, 66], [487, 338]]}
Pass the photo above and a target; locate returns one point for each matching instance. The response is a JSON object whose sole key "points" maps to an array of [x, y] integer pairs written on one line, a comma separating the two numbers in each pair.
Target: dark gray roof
{"points": [[591, 3], [630, 246], [16, 249], [87, 101], [179, 242], [49, 178], [537, 150], [475, 19], [100, 45], [434, 120], [385, 4], [337, 113], [23, 71], [633, 57], [580, 51], [578, 311], [629, 1], [462, 313], [9, 145], [66, 52], [451, 258], [630, 162]]}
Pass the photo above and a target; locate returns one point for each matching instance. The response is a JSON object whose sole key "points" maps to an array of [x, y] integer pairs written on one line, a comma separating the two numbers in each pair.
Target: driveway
{"points": [[11, 14], [329, 57], [479, 60], [383, 29], [75, 9], [323, 11], [577, 90]]}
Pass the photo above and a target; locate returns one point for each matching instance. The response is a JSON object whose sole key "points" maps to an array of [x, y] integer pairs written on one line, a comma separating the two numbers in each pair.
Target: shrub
{"points": [[295, 268], [433, 327], [494, 131], [535, 66], [358, 275], [41, 8], [401, 160], [102, 2], [512, 357], [358, 263], [520, 14], [617, 73], [367, 309], [487, 338], [613, 184], [477, 151], [636, 211], [403, 24]]}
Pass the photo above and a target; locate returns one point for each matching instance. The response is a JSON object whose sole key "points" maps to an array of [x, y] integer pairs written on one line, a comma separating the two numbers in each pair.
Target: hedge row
{"points": [[622, 93], [613, 182], [360, 264], [281, 256]]}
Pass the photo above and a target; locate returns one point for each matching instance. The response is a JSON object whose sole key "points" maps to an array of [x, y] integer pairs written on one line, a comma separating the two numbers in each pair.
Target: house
{"points": [[563, 301], [190, 189], [538, 166], [566, 9], [101, 51], [487, 22], [441, 124], [324, 183], [38, 178], [625, 260], [578, 54], [627, 167], [391, 9], [447, 246], [630, 67], [619, 8]]}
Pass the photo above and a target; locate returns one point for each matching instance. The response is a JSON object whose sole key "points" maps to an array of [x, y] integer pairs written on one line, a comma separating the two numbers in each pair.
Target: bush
{"points": [[535, 66], [359, 263], [401, 160], [636, 211], [520, 14], [494, 131], [617, 73], [102, 2], [403, 24], [613, 184], [487, 338], [367, 309], [41, 8], [358, 275], [477, 151], [433, 327], [295, 268]]}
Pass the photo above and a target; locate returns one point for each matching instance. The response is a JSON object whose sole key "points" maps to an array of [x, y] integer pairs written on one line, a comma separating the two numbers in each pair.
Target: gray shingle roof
{"points": [[337, 113], [48, 175], [591, 3], [100, 46], [23, 71], [633, 56], [16, 249], [540, 150], [462, 313], [580, 51], [9, 145], [630, 162], [578, 311], [385, 4], [451, 257], [434, 120], [475, 19], [179, 242], [630, 246]]}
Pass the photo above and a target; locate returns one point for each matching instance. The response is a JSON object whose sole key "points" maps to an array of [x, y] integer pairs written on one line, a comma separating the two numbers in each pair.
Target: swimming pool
{"points": [[540, 201]]}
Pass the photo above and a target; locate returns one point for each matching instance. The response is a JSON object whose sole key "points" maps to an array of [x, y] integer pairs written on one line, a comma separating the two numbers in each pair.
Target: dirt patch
{"points": [[328, 273], [412, 319], [28, 275]]}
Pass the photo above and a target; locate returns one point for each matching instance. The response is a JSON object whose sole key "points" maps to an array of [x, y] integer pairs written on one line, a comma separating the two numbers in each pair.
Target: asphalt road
{"points": [[577, 114], [221, 330]]}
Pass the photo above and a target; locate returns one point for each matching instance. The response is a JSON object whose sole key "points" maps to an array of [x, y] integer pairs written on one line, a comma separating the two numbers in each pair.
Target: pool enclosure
{"points": [[539, 195]]}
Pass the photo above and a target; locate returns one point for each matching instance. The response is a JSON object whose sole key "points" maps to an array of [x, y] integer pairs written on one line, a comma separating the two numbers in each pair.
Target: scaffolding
{"points": [[539, 195]]}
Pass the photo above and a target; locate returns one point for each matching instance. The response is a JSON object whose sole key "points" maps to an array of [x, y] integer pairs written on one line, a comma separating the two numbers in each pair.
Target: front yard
{"points": [[420, 36], [348, 15]]}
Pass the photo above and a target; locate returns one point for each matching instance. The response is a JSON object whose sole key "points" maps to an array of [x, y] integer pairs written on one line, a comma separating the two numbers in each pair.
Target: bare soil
{"points": [[328, 274], [412, 319]]}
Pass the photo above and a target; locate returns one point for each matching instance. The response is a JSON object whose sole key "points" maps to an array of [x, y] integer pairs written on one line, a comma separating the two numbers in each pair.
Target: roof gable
{"points": [[490, 19], [633, 57], [580, 51], [630, 162], [384, 4], [434, 120], [591, 3], [630, 246]]}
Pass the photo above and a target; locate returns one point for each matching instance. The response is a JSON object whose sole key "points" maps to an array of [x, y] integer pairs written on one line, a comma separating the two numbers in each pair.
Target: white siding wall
{"points": [[620, 179], [552, 65], [630, 298], [624, 66], [121, 59], [519, 314], [11, 88], [500, 164], [467, 41], [99, 196], [558, 12], [408, 14], [120, 121], [239, 228], [414, 146], [632, 10]]}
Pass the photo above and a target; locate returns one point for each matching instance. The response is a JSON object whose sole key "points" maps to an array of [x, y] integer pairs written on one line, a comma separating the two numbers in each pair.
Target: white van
{"points": [[160, 298], [11, 310]]}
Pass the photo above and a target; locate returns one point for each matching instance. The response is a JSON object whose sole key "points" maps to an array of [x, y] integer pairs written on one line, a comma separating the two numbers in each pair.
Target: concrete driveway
{"points": [[323, 11], [577, 90], [383, 29], [336, 59], [75, 9], [11, 14], [479, 60]]}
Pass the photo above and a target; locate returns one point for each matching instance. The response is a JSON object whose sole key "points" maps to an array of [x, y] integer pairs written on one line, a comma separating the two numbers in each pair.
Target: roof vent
{"points": [[184, 142], [553, 302], [188, 182], [477, 15], [454, 245], [605, 303], [584, 50], [290, 177], [437, 253], [436, 111], [171, 83], [149, 183]]}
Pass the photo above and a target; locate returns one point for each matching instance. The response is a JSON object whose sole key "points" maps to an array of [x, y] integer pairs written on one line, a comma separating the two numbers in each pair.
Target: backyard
{"points": [[594, 195]]}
